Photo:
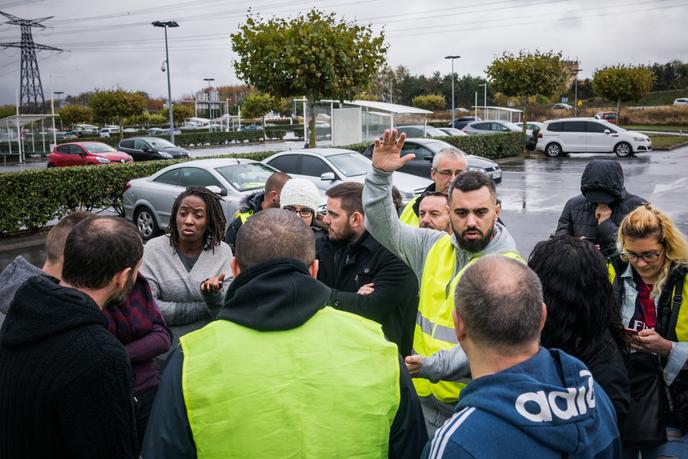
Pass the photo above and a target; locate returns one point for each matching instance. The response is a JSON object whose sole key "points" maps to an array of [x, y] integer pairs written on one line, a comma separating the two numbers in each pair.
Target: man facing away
{"points": [[365, 278], [268, 199], [437, 259], [65, 381], [280, 373], [524, 401], [446, 165]]}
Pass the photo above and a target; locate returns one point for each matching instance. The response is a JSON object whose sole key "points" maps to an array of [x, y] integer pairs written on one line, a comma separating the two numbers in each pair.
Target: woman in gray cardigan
{"points": [[188, 268]]}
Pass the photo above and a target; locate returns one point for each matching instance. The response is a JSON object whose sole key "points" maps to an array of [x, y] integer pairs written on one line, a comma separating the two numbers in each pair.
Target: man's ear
{"points": [[459, 326], [313, 268], [120, 279], [498, 209], [357, 219], [234, 266], [544, 317]]}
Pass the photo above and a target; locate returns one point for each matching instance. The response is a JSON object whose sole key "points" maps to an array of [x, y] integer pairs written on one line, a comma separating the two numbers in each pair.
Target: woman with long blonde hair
{"points": [[653, 290]]}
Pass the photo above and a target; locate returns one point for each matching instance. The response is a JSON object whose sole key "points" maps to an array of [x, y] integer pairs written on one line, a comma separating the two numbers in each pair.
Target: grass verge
{"points": [[667, 142]]}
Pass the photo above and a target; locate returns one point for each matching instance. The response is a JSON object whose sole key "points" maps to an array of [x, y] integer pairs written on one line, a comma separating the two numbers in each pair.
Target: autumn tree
{"points": [[179, 111], [622, 83], [317, 56], [115, 105], [432, 102], [72, 114], [528, 74]]}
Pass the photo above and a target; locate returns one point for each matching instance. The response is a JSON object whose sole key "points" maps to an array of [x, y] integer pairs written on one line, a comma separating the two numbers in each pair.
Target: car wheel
{"points": [[553, 150], [623, 149], [146, 223]]}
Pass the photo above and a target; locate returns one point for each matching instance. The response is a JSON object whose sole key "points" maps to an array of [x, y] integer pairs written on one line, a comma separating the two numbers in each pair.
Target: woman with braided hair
{"points": [[188, 268]]}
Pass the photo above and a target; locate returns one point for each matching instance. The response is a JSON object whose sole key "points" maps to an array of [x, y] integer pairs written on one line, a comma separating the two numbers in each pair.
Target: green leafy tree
{"points": [[72, 114], [115, 105], [432, 102], [528, 74], [622, 83], [7, 110], [317, 56], [180, 112]]}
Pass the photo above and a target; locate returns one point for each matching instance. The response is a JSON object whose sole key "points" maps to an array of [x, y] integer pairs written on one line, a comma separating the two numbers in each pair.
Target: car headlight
{"points": [[640, 139], [102, 160], [165, 154], [477, 169]]}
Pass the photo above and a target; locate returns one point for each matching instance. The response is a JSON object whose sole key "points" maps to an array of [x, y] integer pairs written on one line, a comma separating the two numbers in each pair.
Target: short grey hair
{"points": [[500, 301], [452, 152]]}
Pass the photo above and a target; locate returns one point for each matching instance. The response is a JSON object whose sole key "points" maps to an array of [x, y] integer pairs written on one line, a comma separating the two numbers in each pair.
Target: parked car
{"points": [[69, 135], [145, 148], [108, 131], [533, 126], [562, 106], [162, 131], [327, 167], [85, 154], [426, 149], [252, 127], [681, 101], [589, 135], [452, 131], [420, 130], [460, 123], [612, 117], [148, 201], [490, 127]]}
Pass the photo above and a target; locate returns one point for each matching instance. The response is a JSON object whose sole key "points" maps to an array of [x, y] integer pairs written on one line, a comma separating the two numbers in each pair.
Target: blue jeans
{"points": [[675, 447]]}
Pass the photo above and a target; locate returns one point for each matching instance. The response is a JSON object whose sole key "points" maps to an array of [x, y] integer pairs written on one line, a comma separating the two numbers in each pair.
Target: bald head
{"points": [[499, 301]]}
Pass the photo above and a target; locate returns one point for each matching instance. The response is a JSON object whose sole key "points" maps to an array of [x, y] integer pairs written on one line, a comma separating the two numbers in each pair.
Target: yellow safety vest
{"points": [[243, 216], [329, 388], [408, 216], [434, 329]]}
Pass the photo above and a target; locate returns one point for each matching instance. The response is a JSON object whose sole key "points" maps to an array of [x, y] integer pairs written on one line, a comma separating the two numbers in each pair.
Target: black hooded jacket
{"points": [[273, 296], [65, 381], [252, 203], [578, 218]]}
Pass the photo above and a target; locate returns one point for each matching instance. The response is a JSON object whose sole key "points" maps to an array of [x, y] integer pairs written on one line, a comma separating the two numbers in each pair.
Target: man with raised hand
{"points": [[438, 259]]}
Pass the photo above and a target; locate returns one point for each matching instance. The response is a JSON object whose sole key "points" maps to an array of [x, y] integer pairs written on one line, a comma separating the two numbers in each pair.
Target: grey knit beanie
{"points": [[300, 192]]}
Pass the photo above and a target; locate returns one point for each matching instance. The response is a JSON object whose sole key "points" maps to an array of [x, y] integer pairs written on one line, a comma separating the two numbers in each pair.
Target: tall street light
{"points": [[452, 67], [210, 109], [165, 25], [58, 94], [484, 99], [575, 94]]}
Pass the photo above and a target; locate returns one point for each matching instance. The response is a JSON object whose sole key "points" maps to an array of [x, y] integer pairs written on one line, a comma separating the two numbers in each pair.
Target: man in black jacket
{"points": [[65, 381], [365, 278], [596, 214]]}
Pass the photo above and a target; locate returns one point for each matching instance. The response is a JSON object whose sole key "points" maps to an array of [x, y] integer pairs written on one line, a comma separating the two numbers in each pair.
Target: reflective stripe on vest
{"points": [[305, 392], [408, 215], [434, 329], [243, 216]]}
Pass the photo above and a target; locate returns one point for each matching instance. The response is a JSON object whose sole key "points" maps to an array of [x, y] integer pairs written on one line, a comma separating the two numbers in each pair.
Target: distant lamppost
{"points": [[58, 94], [165, 25], [210, 105], [575, 90], [452, 79], [484, 99]]}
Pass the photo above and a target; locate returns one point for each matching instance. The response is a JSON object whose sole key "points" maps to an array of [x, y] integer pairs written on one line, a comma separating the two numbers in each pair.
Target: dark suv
{"points": [[147, 148]]}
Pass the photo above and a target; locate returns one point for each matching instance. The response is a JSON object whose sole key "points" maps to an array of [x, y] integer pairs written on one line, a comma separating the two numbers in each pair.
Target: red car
{"points": [[84, 154], [612, 117]]}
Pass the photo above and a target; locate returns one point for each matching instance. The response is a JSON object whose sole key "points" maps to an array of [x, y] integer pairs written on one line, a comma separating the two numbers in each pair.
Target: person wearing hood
{"points": [[280, 373], [267, 199], [65, 381], [604, 202], [524, 401], [436, 258]]}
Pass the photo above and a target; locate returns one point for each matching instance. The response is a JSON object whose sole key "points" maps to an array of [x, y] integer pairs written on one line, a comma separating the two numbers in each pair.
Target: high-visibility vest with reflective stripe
{"points": [[243, 216], [408, 215], [329, 388], [434, 329]]}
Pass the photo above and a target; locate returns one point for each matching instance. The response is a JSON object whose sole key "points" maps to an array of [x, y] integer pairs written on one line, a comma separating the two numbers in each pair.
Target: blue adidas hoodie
{"points": [[546, 407]]}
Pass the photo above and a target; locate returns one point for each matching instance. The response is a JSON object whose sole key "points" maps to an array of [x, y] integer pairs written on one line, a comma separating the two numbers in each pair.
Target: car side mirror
{"points": [[327, 176], [217, 190], [607, 131]]}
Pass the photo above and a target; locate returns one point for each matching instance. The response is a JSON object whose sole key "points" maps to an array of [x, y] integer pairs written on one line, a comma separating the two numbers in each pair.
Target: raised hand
{"points": [[387, 152]]}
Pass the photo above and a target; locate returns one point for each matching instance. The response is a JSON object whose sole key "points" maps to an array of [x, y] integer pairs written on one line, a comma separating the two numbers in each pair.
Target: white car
{"points": [[681, 101], [327, 167], [589, 135]]}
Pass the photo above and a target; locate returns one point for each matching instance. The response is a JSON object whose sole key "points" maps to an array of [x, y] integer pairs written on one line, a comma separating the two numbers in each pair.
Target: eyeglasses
{"points": [[303, 212], [448, 172], [647, 257]]}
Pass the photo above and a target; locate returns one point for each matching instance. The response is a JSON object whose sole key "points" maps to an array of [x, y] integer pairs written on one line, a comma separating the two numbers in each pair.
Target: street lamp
{"points": [[484, 99], [210, 107], [575, 91], [452, 67], [58, 94], [165, 25]]}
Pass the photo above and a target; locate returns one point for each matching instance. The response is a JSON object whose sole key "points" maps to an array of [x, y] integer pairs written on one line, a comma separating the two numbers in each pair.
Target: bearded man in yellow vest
{"points": [[280, 373], [438, 260]]}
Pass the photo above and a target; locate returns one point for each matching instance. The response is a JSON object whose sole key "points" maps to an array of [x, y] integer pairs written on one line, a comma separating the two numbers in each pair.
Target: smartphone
{"points": [[631, 331]]}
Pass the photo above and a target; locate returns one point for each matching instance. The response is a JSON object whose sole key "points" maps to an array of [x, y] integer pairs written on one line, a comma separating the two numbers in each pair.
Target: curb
{"points": [[21, 241]]}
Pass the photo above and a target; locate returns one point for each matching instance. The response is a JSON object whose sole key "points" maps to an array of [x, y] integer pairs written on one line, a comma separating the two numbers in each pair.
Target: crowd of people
{"points": [[370, 330]]}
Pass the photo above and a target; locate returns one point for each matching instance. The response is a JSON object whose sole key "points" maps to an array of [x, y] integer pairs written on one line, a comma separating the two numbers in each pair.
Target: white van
{"points": [[589, 135], [108, 131], [681, 101]]}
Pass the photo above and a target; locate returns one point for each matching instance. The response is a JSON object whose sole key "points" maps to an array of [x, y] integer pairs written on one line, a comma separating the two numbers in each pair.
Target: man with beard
{"points": [[65, 381], [434, 211], [365, 278], [437, 258]]}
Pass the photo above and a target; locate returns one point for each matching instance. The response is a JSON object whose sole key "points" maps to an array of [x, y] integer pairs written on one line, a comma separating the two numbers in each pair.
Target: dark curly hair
{"points": [[215, 216], [581, 306]]}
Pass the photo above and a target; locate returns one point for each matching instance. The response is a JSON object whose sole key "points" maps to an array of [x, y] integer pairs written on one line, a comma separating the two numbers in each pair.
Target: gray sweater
{"points": [[178, 291], [11, 278]]}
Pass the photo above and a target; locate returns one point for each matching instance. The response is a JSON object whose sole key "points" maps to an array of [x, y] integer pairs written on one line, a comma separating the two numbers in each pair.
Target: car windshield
{"points": [[512, 126], [98, 148], [611, 126], [159, 143], [350, 164], [434, 132], [245, 177]]}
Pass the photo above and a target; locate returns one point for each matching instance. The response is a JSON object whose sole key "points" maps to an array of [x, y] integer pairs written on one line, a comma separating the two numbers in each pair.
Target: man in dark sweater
{"points": [[65, 381], [365, 278]]}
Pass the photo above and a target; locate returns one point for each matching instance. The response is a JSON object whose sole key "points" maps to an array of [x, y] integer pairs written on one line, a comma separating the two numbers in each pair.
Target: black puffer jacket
{"points": [[578, 218], [253, 204]]}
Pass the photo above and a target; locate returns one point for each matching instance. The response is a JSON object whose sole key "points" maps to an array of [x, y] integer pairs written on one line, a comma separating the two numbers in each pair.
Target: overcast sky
{"points": [[109, 44]]}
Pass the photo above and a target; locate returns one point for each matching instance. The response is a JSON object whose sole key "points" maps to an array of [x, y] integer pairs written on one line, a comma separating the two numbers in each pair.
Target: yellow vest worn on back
{"points": [[408, 215], [327, 389]]}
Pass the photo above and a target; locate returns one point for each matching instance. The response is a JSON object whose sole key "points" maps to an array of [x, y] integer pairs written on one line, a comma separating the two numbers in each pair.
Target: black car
{"points": [[460, 123], [147, 148], [425, 150]]}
